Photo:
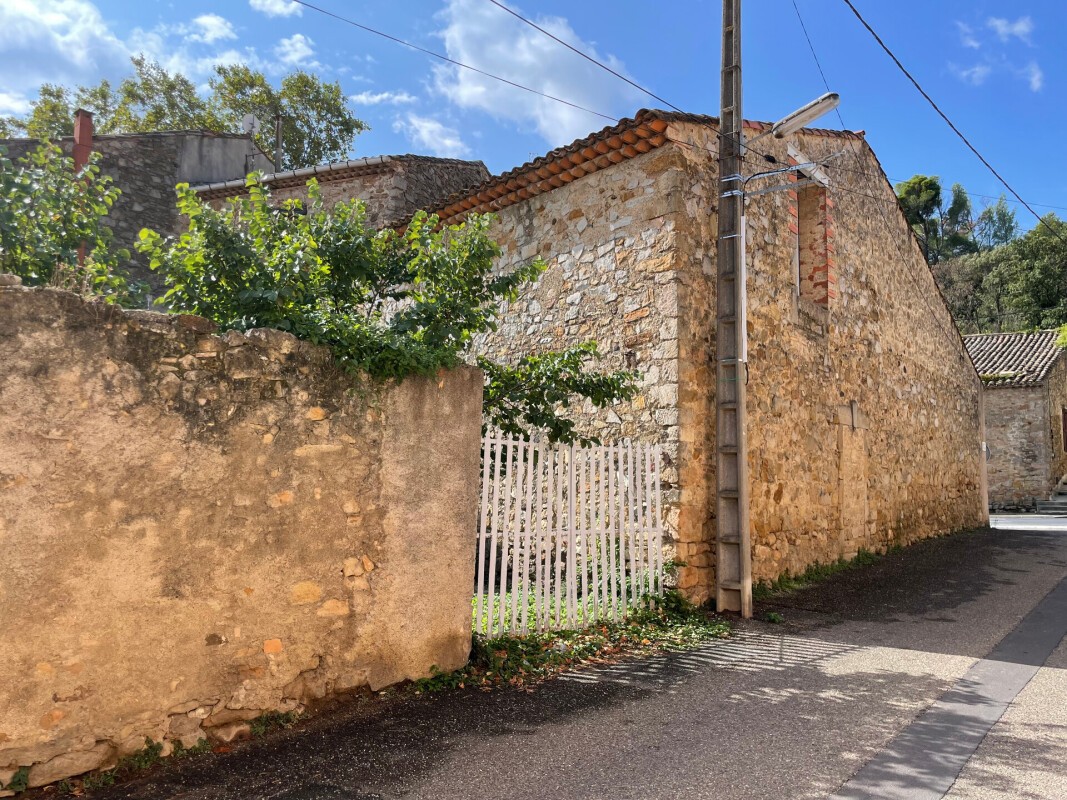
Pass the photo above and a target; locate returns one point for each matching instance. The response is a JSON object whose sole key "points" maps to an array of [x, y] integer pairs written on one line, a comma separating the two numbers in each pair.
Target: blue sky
{"points": [[998, 69]]}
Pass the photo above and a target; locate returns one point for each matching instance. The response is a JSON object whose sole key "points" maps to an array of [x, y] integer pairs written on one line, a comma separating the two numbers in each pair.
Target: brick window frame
{"points": [[811, 223]]}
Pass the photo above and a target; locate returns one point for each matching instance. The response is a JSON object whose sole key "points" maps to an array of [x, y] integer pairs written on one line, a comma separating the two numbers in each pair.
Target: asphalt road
{"points": [[940, 671]]}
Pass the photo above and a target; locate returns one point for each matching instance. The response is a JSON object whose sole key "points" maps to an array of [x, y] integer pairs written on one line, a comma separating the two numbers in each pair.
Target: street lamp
{"points": [[792, 123]]}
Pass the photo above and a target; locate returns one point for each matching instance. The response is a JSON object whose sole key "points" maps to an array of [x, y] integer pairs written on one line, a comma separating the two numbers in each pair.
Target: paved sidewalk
{"points": [[825, 704]]}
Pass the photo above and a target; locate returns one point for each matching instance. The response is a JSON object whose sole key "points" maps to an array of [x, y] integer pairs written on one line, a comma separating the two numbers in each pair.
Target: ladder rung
{"points": [[731, 585], [729, 494], [735, 540]]}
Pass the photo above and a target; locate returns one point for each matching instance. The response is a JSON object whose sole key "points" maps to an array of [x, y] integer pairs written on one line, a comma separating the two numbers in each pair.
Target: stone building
{"points": [[146, 167], [1025, 377], [863, 410], [393, 187], [863, 405]]}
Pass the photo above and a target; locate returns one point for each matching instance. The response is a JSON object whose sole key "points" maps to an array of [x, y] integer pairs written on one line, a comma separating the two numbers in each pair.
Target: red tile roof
{"points": [[612, 145]]}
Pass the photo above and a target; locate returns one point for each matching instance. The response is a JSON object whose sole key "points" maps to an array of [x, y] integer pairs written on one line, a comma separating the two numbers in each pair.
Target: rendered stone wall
{"points": [[1021, 447], [146, 167], [197, 529]]}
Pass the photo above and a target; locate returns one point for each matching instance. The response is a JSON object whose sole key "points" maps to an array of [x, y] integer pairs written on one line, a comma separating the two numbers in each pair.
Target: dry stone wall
{"points": [[198, 528]]}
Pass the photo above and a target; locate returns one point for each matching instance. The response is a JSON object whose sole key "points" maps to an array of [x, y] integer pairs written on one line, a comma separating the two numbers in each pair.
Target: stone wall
{"points": [[864, 411], [147, 167], [1020, 446], [199, 528], [1056, 387], [864, 423], [610, 245], [392, 189]]}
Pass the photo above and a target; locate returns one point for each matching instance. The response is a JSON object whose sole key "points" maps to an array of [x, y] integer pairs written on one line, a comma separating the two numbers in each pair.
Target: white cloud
{"points": [[967, 37], [433, 135], [378, 98], [1035, 76], [13, 103], [209, 28], [1006, 30], [58, 41], [975, 75], [276, 8], [296, 51], [484, 36]]}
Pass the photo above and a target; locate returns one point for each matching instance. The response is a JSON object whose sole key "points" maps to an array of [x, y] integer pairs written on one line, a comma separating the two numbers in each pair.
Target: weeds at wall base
{"points": [[816, 573], [522, 661]]}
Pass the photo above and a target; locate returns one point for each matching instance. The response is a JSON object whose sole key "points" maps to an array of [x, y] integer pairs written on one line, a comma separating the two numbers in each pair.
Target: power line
{"points": [[448, 60], [889, 228], [948, 121], [586, 56]]}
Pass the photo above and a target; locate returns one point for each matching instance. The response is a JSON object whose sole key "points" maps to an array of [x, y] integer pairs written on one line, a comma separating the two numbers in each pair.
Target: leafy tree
{"points": [[52, 227], [317, 124], [944, 231], [1039, 274], [996, 225], [387, 304]]}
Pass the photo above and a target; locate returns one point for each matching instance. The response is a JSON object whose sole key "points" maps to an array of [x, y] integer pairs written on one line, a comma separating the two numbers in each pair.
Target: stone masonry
{"points": [[1025, 377], [392, 187], [200, 528], [863, 412], [146, 167]]}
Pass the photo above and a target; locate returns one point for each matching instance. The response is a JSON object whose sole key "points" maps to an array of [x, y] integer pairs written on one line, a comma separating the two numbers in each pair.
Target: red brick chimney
{"points": [[83, 137]]}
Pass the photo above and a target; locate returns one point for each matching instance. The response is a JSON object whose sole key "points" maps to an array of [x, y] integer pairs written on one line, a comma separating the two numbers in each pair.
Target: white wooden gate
{"points": [[568, 535]]}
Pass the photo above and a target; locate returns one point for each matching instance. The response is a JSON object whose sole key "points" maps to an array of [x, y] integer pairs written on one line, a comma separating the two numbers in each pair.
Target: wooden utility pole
{"points": [[733, 561]]}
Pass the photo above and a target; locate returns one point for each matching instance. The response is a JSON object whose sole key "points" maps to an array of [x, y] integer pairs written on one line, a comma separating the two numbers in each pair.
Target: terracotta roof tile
{"points": [[616, 143], [1013, 359]]}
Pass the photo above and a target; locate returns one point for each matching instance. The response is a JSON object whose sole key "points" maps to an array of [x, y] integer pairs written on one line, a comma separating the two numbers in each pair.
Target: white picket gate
{"points": [[568, 535]]}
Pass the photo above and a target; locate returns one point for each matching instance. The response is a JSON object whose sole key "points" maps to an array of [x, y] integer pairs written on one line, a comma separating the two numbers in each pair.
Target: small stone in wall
{"points": [[333, 608], [273, 646], [316, 413], [368, 565], [282, 498], [305, 592], [353, 568]]}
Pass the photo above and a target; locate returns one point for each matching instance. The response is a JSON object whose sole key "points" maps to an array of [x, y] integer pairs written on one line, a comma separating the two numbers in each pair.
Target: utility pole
{"points": [[733, 559]]}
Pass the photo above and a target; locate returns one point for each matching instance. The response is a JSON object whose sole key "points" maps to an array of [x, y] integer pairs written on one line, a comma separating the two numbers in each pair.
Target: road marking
{"points": [[924, 759]]}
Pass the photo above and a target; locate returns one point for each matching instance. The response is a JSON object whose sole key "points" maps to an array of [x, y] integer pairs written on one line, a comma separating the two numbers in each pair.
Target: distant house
{"points": [[393, 187], [1025, 376], [146, 167]]}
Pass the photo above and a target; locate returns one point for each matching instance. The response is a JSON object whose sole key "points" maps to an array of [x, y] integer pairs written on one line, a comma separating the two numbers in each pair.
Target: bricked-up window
{"points": [[813, 269], [812, 211]]}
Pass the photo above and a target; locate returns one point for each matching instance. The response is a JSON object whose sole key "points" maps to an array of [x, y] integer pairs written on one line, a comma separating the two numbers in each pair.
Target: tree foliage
{"points": [[317, 124], [527, 395], [385, 303], [48, 213], [944, 230]]}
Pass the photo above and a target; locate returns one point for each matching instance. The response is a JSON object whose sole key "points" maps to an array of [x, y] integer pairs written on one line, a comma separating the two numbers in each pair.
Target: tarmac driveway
{"points": [[940, 671]]}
